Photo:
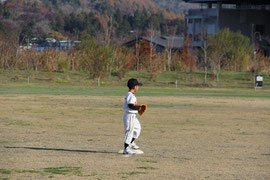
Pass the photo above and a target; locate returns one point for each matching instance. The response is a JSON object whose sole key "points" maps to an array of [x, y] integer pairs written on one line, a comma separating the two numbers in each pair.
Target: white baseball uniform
{"points": [[131, 122]]}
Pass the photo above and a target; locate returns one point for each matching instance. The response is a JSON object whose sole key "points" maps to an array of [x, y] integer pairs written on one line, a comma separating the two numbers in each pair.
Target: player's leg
{"points": [[129, 131], [136, 134]]}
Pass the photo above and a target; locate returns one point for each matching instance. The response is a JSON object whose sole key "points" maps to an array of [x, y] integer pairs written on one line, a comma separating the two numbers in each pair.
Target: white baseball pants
{"points": [[132, 127]]}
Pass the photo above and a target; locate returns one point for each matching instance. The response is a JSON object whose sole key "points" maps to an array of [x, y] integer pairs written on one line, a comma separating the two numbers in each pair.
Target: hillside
{"points": [[64, 19], [176, 6]]}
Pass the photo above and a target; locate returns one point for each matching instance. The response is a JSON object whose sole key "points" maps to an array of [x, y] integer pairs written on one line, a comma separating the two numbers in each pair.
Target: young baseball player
{"points": [[131, 123]]}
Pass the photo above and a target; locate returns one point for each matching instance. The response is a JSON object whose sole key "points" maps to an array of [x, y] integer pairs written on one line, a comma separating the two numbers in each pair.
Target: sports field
{"points": [[189, 134]]}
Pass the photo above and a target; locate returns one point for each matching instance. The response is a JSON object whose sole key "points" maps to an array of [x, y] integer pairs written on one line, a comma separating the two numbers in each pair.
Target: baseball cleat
{"points": [[134, 146], [128, 151]]}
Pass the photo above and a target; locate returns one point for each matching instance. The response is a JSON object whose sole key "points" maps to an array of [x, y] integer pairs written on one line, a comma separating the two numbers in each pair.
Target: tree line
{"points": [[119, 25], [225, 50], [35, 21]]}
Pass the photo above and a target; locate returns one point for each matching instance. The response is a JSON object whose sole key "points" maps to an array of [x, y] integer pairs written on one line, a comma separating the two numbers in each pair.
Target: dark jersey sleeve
{"points": [[133, 107]]}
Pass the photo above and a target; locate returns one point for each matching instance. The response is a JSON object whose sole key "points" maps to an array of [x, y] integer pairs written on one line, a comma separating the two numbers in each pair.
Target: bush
{"points": [[62, 65]]}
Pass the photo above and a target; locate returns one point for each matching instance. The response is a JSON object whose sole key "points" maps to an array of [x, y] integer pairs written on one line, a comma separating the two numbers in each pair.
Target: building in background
{"points": [[57, 45], [51, 44], [250, 17], [160, 43]]}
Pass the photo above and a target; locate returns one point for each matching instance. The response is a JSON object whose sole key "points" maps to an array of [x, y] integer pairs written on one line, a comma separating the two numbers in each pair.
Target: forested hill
{"points": [[66, 19]]}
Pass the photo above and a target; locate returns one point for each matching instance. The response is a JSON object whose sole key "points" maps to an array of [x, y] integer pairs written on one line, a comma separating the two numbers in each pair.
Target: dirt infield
{"points": [[189, 138]]}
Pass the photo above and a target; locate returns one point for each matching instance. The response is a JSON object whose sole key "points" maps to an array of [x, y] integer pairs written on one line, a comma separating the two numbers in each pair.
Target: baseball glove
{"points": [[142, 110]]}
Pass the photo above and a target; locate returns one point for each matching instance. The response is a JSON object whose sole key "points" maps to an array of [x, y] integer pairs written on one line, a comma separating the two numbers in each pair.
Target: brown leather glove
{"points": [[142, 110]]}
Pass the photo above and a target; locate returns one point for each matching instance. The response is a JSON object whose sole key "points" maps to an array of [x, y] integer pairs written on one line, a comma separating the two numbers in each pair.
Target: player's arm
{"points": [[133, 106]]}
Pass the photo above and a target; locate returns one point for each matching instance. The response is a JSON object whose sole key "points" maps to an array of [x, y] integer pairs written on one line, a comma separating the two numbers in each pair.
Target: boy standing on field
{"points": [[131, 123]]}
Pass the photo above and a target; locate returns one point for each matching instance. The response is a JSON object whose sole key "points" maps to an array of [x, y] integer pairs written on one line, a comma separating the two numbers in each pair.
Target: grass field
{"points": [[55, 130], [228, 79]]}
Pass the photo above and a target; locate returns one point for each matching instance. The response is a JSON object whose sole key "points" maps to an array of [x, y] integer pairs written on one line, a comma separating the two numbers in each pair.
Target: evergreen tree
{"points": [[28, 32], [154, 22], [118, 16], [124, 28], [58, 24], [144, 18]]}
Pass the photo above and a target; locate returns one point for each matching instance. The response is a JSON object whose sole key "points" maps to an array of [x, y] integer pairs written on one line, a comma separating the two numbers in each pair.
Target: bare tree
{"points": [[9, 52], [204, 47], [137, 47], [187, 56], [124, 59], [153, 34], [170, 43], [109, 31]]}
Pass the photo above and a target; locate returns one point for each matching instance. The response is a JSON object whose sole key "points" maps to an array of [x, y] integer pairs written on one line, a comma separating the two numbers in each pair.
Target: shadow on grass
{"points": [[64, 150]]}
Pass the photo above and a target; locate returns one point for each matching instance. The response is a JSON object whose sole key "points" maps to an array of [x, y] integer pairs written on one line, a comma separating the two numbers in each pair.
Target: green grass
{"points": [[150, 161], [4, 142], [228, 79], [5, 171], [63, 170], [134, 173], [20, 123], [121, 91], [29, 171], [48, 171], [231, 84]]}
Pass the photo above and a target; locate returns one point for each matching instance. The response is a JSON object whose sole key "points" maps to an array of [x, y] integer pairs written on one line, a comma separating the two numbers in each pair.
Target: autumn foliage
{"points": [[150, 61], [188, 56]]}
